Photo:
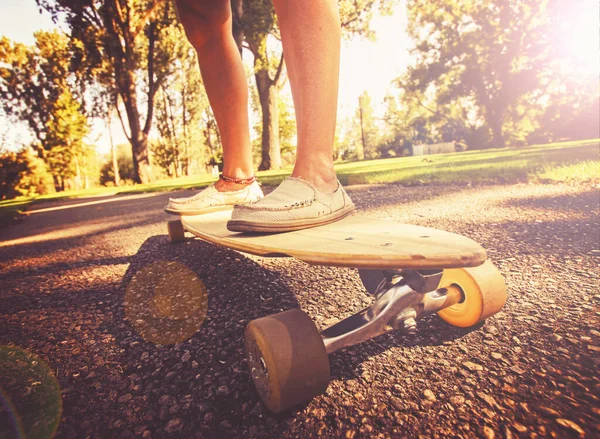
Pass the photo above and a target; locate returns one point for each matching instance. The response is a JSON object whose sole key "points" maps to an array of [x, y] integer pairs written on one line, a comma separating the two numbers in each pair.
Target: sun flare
{"points": [[579, 37]]}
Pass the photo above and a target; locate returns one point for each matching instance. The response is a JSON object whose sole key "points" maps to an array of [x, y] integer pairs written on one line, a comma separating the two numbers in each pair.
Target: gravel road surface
{"points": [[530, 371]]}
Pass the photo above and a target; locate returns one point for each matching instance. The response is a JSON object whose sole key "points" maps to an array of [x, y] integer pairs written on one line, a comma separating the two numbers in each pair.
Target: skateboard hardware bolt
{"points": [[405, 321], [410, 326]]}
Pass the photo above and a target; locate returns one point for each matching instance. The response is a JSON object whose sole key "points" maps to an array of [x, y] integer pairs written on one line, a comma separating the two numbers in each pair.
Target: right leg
{"points": [[207, 24]]}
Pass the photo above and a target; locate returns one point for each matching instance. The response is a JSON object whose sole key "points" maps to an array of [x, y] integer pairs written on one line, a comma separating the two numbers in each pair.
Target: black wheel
{"points": [[287, 359], [176, 231]]}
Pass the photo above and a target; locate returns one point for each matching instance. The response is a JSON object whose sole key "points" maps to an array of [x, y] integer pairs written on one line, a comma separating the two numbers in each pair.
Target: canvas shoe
{"points": [[211, 200], [294, 205]]}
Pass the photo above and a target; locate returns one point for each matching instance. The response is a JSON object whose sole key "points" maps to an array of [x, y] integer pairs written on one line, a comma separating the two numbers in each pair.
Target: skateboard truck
{"points": [[402, 296]]}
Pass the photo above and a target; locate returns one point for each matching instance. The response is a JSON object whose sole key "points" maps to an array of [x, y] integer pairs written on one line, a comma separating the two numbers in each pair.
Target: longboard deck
{"points": [[355, 242]]}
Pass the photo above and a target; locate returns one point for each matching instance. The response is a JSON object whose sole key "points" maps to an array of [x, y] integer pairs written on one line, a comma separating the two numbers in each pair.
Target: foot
{"points": [[320, 175], [220, 196], [295, 204]]}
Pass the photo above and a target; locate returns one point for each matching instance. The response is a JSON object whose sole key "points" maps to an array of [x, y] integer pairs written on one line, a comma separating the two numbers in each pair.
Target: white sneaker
{"points": [[211, 200], [294, 205]]}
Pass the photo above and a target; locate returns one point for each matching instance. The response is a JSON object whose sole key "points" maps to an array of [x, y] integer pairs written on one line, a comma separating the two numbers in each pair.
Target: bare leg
{"points": [[207, 24], [310, 31]]}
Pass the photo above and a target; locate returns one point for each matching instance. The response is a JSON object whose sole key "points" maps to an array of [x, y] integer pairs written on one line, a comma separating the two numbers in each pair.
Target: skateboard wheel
{"points": [[176, 231], [287, 359], [484, 294]]}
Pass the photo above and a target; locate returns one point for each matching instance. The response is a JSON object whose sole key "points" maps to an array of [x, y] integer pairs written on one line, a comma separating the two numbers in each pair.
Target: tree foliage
{"points": [[356, 16], [182, 109], [38, 88], [120, 47], [490, 53], [23, 174]]}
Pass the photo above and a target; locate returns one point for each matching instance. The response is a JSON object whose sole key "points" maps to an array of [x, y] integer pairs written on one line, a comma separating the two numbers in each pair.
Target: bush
{"points": [[37, 180], [125, 164], [22, 173]]}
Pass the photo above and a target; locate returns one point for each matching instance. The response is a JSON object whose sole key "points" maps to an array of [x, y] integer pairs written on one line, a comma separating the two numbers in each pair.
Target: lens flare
{"points": [[166, 303], [30, 398]]}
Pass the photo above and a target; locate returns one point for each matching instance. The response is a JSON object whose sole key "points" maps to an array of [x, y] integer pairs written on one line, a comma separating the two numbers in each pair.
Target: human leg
{"points": [[207, 24], [312, 196], [310, 32]]}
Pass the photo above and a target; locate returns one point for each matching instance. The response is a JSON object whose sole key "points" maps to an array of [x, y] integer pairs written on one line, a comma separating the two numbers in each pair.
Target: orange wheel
{"points": [[484, 294], [176, 231], [287, 359]]}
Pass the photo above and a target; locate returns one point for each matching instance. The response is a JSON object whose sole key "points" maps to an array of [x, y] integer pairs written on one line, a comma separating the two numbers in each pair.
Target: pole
{"points": [[362, 130]]}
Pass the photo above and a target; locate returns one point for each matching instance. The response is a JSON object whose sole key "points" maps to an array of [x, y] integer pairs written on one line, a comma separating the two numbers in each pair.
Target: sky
{"points": [[365, 65]]}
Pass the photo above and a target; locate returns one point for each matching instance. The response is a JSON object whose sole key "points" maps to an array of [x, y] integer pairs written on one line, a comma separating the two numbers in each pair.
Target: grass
{"points": [[587, 171], [576, 161]]}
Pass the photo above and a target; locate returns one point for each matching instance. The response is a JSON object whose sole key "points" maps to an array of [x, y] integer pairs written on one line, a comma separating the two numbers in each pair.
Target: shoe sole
{"points": [[199, 211], [202, 211], [287, 226]]}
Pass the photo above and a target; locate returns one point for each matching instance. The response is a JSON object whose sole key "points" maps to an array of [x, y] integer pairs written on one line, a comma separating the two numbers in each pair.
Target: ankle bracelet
{"points": [[238, 180]]}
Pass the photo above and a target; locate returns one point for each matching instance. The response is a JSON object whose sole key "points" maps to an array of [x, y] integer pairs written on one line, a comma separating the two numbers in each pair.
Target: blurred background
{"points": [[108, 92]]}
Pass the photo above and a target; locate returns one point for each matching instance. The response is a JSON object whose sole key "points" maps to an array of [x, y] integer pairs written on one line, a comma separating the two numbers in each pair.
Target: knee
{"points": [[203, 20]]}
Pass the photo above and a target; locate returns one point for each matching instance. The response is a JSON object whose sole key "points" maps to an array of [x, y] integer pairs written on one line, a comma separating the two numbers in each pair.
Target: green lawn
{"points": [[558, 162]]}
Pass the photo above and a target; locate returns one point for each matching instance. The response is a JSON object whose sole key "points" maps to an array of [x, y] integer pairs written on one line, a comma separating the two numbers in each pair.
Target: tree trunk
{"points": [[57, 186], [237, 12], [142, 172], [126, 79], [77, 174], [186, 155], [141, 159], [361, 150], [113, 153], [172, 133], [271, 150], [495, 122]]}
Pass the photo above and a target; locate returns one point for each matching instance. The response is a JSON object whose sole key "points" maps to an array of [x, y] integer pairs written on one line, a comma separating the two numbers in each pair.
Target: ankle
{"points": [[237, 172], [322, 180], [238, 180], [227, 186], [318, 169]]}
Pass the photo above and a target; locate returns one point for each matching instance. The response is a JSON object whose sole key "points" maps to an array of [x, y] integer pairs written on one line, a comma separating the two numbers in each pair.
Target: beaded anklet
{"points": [[238, 180]]}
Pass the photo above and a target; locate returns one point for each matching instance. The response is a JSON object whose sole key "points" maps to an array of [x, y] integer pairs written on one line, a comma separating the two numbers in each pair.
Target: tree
{"points": [[180, 106], [370, 137], [258, 23], [67, 154], [361, 138], [573, 112], [414, 119], [38, 88], [286, 134], [119, 43], [491, 53], [287, 130]]}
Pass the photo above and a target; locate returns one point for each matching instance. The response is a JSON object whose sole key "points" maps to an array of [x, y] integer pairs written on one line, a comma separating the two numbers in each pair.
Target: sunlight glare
{"points": [[579, 37]]}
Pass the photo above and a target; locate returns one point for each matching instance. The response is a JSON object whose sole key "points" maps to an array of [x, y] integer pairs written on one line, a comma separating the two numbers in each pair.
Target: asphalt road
{"points": [[530, 371]]}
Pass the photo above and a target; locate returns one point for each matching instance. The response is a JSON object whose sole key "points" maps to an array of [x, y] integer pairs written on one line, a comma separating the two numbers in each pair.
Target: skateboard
{"points": [[412, 271]]}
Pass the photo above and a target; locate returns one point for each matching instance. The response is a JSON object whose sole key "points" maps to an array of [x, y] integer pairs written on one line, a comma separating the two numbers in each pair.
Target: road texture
{"points": [[530, 371]]}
